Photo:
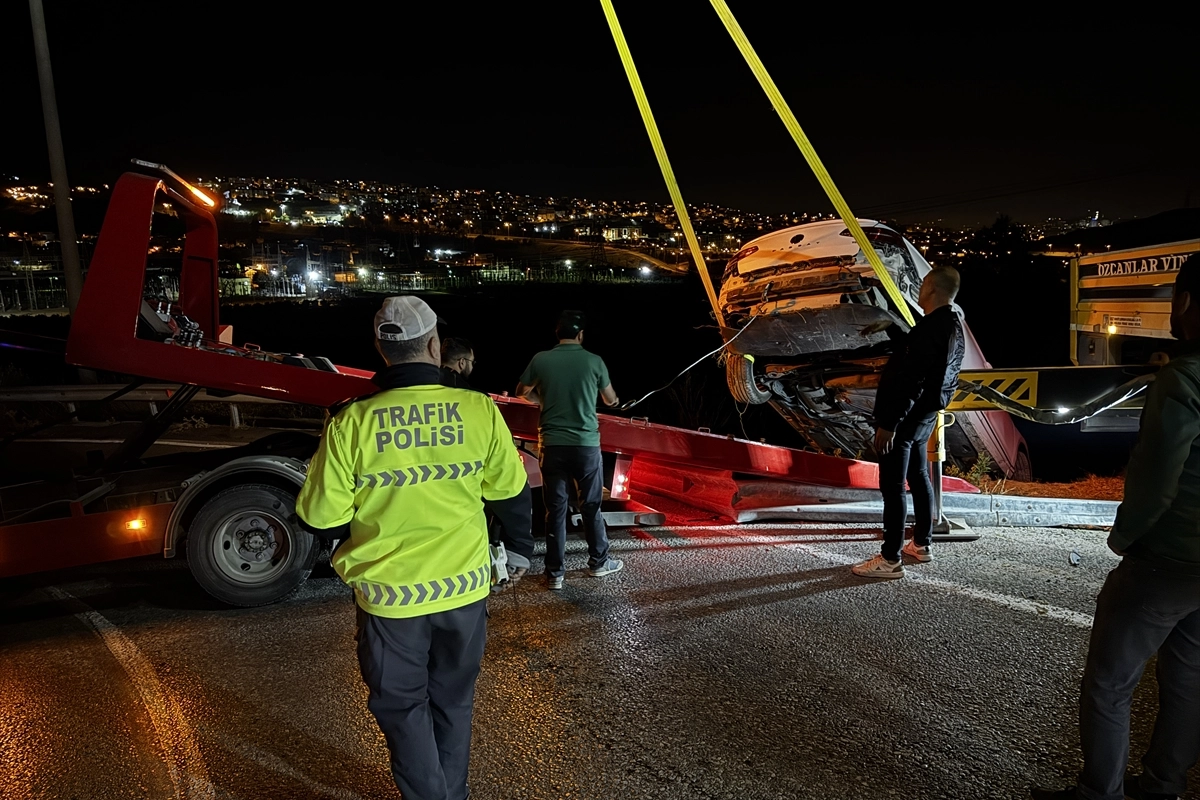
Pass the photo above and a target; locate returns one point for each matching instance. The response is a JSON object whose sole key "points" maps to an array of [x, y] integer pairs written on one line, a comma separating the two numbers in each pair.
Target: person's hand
{"points": [[884, 440], [878, 326]]}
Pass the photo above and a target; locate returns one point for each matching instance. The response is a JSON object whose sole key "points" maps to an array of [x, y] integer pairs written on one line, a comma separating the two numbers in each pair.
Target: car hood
{"points": [[828, 244]]}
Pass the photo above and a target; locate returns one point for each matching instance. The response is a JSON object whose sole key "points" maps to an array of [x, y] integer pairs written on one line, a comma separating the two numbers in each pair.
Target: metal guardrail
{"points": [[977, 510]]}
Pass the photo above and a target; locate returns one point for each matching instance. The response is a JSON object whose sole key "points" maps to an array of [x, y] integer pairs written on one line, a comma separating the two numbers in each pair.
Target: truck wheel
{"points": [[1023, 470], [242, 549], [739, 374]]}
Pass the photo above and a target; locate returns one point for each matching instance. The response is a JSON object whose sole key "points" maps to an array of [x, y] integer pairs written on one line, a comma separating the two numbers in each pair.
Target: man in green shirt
{"points": [[1151, 602], [567, 380]]}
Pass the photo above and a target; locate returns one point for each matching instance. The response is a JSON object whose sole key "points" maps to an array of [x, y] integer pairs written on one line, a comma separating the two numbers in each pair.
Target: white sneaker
{"points": [[879, 567], [916, 552]]}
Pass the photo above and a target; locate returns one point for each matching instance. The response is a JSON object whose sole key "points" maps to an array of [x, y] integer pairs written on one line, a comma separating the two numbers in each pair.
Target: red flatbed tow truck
{"points": [[232, 510]]}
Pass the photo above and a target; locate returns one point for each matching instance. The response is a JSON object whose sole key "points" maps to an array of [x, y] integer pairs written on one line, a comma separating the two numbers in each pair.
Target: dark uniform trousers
{"points": [[421, 675], [1142, 610], [907, 459]]}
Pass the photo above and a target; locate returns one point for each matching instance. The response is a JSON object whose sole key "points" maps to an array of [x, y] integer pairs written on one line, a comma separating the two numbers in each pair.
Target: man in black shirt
{"points": [[458, 361], [917, 383]]}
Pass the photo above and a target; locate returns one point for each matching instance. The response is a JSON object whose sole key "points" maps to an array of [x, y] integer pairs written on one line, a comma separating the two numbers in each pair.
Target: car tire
{"points": [[739, 374], [244, 551], [1023, 469]]}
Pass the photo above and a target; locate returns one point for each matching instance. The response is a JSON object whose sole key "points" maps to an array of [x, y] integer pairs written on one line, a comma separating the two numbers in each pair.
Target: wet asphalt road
{"points": [[724, 662]]}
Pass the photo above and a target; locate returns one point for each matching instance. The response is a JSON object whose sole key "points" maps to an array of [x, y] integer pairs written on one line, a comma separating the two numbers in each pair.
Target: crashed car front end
{"points": [[796, 303]]}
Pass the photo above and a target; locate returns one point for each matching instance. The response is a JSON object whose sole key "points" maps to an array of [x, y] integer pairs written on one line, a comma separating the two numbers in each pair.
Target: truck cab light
{"points": [[135, 525]]}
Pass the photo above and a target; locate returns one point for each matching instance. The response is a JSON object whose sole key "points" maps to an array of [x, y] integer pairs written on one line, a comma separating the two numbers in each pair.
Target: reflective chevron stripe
{"points": [[393, 479], [378, 594]]}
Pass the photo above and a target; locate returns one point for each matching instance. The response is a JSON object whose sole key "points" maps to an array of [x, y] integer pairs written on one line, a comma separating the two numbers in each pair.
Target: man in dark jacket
{"points": [[1151, 602], [458, 362], [917, 383]]}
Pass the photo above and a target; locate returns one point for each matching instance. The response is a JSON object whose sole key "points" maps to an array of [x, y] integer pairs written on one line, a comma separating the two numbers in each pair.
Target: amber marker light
{"points": [[135, 525], [201, 196], [208, 201]]}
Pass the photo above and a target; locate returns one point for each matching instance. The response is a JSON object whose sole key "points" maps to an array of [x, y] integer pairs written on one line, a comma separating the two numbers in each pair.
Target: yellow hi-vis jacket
{"points": [[407, 468]]}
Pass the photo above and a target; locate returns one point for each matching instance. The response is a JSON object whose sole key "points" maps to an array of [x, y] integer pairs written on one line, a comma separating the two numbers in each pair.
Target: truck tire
{"points": [[739, 374], [243, 551]]}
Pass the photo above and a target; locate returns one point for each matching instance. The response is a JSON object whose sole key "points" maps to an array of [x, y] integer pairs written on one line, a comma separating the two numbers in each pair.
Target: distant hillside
{"points": [[1169, 226]]}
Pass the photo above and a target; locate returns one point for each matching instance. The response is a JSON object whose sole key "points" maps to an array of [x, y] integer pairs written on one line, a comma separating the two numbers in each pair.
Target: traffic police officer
{"points": [[401, 476]]}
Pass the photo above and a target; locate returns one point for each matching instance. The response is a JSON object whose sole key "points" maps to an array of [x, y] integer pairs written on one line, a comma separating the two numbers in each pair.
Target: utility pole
{"points": [[72, 272]]}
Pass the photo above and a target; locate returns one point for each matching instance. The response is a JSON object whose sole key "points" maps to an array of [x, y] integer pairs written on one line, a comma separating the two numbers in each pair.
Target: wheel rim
{"points": [[252, 547]]}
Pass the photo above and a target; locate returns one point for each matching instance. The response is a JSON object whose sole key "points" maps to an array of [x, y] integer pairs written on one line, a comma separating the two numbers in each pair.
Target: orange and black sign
{"points": [[1020, 387]]}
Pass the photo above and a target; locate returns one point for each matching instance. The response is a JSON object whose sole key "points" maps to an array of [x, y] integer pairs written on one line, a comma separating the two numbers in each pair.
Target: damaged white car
{"points": [[809, 292]]}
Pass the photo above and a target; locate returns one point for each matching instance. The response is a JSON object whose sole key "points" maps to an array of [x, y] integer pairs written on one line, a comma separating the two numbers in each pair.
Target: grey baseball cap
{"points": [[406, 317]]}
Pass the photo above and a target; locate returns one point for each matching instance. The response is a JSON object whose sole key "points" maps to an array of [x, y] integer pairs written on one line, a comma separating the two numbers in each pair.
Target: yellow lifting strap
{"points": [[664, 163], [810, 155]]}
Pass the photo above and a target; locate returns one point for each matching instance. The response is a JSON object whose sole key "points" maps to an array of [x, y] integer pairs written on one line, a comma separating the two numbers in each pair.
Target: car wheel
{"points": [[739, 374], [1023, 470], [243, 550]]}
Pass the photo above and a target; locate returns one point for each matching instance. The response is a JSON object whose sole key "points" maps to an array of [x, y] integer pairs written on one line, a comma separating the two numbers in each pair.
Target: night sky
{"points": [[1005, 113]]}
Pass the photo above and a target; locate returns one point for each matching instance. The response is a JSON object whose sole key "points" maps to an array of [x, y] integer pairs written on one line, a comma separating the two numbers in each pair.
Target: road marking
{"points": [[1046, 610], [277, 764], [185, 764], [1065, 615]]}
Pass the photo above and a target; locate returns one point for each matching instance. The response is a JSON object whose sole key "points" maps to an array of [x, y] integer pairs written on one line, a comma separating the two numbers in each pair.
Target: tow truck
{"points": [[232, 510]]}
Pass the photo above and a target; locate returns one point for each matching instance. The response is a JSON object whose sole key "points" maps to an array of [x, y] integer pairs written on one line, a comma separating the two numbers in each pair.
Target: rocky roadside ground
{"points": [[1093, 487]]}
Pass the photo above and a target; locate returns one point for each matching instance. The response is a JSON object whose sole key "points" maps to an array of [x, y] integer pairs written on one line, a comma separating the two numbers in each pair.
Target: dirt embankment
{"points": [[1092, 487]]}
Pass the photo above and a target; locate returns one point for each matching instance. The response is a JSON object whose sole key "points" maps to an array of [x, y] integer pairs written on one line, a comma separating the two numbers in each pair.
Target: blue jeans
{"points": [[907, 460], [1142, 610], [561, 464]]}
